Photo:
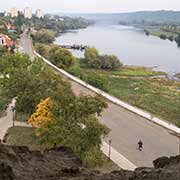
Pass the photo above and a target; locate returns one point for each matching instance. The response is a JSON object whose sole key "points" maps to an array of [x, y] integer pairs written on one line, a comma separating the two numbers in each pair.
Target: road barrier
{"points": [[115, 100]]}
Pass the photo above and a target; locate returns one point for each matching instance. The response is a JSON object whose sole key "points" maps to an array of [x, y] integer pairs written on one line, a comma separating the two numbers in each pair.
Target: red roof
{"points": [[5, 41]]}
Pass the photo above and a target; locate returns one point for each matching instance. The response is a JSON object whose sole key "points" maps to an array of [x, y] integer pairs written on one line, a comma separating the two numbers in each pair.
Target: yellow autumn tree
{"points": [[43, 116]]}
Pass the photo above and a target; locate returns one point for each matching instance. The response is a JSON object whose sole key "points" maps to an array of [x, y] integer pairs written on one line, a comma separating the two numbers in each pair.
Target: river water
{"points": [[130, 44]]}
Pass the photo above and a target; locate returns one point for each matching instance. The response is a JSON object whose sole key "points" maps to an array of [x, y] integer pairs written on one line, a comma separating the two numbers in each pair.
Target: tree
{"points": [[29, 81], [163, 36], [43, 36], [91, 58], [42, 49], [43, 116], [61, 57], [110, 62], [77, 127], [177, 39]]}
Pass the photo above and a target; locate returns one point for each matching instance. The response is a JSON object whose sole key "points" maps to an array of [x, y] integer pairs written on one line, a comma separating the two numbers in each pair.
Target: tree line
{"points": [[72, 120]]}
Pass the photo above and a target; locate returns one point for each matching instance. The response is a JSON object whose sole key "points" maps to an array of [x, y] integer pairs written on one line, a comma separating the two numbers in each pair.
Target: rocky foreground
{"points": [[19, 163]]}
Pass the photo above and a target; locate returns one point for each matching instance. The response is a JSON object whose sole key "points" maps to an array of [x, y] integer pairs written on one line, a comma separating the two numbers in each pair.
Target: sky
{"points": [[92, 6]]}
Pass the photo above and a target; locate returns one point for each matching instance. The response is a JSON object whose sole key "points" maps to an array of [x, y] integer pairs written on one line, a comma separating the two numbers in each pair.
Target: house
{"points": [[10, 26], [5, 41]]}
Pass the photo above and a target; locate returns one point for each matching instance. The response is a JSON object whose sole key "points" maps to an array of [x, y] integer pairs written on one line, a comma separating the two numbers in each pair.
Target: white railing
{"points": [[115, 100]]}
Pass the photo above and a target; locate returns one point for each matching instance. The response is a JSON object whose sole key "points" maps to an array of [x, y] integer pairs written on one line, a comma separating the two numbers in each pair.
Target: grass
{"points": [[159, 31], [157, 96], [132, 71], [21, 136]]}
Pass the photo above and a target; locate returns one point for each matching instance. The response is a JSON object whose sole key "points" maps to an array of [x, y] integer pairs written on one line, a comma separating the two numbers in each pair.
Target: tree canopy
{"points": [[58, 115], [43, 36], [92, 59]]}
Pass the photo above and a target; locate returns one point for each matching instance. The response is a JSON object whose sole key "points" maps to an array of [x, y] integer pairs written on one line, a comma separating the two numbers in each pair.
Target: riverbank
{"points": [[129, 44], [136, 86]]}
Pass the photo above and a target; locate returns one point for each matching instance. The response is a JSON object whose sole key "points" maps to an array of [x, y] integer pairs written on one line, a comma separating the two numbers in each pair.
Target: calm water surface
{"points": [[131, 45]]}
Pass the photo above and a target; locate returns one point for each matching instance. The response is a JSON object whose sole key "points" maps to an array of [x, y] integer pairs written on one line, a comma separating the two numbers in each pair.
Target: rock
{"points": [[60, 163], [161, 162]]}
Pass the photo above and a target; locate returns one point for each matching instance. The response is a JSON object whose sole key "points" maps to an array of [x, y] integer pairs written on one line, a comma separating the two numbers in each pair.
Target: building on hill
{"points": [[10, 26], [27, 13], [14, 12], [39, 13], [5, 41]]}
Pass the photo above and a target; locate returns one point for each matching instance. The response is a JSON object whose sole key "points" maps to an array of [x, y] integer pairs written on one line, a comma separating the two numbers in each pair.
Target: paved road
{"points": [[7, 121], [25, 45], [127, 128]]}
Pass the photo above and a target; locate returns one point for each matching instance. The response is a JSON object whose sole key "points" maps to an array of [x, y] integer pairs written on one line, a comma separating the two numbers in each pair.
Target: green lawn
{"points": [[133, 85], [132, 71], [159, 97], [158, 32], [21, 136]]}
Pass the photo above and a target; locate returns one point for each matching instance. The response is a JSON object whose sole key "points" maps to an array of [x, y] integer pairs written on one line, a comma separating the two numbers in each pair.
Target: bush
{"points": [[42, 49], [43, 36], [163, 36], [109, 62], [60, 57], [171, 38], [94, 60], [98, 81], [178, 40]]}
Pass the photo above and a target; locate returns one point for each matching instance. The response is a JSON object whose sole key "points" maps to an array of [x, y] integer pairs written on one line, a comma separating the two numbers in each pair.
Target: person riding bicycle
{"points": [[140, 145]]}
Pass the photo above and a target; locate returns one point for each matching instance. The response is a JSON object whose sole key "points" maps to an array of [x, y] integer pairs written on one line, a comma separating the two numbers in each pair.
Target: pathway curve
{"points": [[127, 128]]}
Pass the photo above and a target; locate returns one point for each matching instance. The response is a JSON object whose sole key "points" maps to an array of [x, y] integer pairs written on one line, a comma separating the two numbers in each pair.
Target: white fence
{"points": [[125, 105]]}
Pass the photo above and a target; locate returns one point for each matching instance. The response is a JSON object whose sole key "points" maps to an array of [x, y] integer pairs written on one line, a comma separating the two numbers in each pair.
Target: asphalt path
{"points": [[127, 128]]}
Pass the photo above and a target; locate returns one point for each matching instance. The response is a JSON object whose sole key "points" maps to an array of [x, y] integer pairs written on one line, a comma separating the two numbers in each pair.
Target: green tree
{"points": [[76, 126], [42, 49], [29, 81], [60, 57], [43, 36], [91, 58], [110, 62]]}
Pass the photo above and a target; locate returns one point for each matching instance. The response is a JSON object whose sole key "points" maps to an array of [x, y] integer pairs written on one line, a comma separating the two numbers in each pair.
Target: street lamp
{"points": [[110, 143], [13, 111]]}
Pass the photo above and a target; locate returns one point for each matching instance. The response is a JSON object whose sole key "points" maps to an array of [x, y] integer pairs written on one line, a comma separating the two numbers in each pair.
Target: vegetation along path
{"points": [[127, 128]]}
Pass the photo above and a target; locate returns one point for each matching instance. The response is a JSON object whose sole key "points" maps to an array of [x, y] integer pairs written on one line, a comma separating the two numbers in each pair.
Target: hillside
{"points": [[19, 163], [152, 17], [139, 17]]}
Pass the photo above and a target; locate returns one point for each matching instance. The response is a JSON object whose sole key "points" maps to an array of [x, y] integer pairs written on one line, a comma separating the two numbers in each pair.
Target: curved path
{"points": [[127, 128]]}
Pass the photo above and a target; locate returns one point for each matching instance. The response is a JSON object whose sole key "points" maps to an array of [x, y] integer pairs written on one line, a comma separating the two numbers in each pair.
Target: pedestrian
{"points": [[140, 145]]}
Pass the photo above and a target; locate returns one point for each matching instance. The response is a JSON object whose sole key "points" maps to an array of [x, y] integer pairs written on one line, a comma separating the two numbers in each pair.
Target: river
{"points": [[130, 44]]}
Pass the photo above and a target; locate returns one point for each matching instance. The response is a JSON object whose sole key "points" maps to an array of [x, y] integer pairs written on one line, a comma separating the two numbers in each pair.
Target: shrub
{"points": [[60, 57], [43, 36], [163, 36], [92, 59]]}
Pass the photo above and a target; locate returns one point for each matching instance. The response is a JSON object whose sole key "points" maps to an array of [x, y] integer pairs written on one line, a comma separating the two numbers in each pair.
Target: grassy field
{"points": [[21, 136], [160, 97], [157, 96], [130, 71], [158, 32]]}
